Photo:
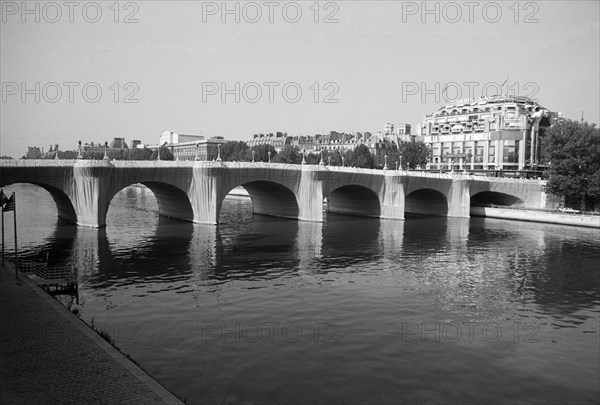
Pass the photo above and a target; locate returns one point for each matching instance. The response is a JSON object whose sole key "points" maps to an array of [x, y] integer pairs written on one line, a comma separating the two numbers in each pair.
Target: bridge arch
{"points": [[64, 205], [268, 198], [172, 201], [354, 200], [484, 198], [426, 201]]}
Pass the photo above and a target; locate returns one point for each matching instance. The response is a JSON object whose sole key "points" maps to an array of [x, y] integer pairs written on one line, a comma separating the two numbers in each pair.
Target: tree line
{"points": [[411, 155]]}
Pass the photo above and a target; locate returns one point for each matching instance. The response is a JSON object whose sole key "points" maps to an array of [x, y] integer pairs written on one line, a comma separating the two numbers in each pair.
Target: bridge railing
{"points": [[132, 164]]}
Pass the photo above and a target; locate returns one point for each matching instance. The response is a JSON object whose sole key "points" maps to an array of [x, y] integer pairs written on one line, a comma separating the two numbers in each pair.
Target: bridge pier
{"points": [[459, 199], [392, 197], [310, 195], [89, 193], [204, 194]]}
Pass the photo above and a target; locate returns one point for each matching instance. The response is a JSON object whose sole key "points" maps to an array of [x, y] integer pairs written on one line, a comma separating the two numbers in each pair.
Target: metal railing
{"points": [[51, 275]]}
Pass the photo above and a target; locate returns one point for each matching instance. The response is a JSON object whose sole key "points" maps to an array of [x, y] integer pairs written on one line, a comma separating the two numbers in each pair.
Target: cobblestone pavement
{"points": [[49, 356]]}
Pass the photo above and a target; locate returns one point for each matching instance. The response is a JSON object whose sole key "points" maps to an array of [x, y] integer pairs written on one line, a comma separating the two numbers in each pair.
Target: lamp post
{"points": [[269, 153], [79, 155], [253, 156], [385, 167], [321, 162], [219, 153], [105, 150], [197, 147], [303, 156], [342, 161]]}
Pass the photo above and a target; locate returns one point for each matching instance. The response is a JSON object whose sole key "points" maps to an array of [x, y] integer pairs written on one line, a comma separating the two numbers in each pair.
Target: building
{"points": [[278, 140], [101, 147], [190, 147], [398, 134], [497, 132], [379, 143], [333, 141]]}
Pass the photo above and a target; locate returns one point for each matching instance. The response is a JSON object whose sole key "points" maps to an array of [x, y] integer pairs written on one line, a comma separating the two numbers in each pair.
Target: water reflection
{"points": [[477, 266], [365, 276]]}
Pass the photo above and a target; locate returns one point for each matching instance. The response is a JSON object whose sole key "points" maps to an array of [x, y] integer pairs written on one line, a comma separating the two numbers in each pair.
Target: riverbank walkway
{"points": [[49, 356]]}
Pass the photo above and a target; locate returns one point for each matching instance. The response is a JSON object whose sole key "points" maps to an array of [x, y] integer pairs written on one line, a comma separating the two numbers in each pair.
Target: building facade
{"points": [[190, 147], [278, 140], [487, 133]]}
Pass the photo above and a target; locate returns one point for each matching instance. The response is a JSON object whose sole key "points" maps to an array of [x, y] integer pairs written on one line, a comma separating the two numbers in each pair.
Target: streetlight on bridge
{"points": [[385, 167], [269, 153], [219, 153], [303, 156]]}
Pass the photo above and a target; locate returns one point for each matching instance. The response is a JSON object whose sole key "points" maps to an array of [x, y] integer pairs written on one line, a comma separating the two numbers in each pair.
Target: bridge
{"points": [[194, 190]]}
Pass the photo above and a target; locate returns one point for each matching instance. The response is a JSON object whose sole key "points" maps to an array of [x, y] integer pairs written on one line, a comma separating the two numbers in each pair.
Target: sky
{"points": [[92, 71]]}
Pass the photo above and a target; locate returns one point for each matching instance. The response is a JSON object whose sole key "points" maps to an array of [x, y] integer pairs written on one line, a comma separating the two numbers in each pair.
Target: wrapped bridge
{"points": [[194, 191]]}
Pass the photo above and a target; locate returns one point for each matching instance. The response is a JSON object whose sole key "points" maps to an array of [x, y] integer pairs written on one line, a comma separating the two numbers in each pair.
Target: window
{"points": [[479, 151], [445, 151], [468, 153], [492, 154], [511, 152]]}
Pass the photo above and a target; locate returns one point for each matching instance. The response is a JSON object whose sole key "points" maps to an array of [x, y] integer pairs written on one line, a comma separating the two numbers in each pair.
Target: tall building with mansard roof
{"points": [[496, 133]]}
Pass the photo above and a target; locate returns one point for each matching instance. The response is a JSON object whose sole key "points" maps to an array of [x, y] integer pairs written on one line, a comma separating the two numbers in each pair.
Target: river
{"points": [[348, 311]]}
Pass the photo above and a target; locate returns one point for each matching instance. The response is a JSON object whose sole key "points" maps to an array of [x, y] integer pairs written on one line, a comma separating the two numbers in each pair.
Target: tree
{"points": [[393, 156], [165, 154], [68, 154], [289, 154], [414, 154], [261, 152], [312, 158], [234, 151], [140, 154], [574, 152], [333, 157], [360, 157]]}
